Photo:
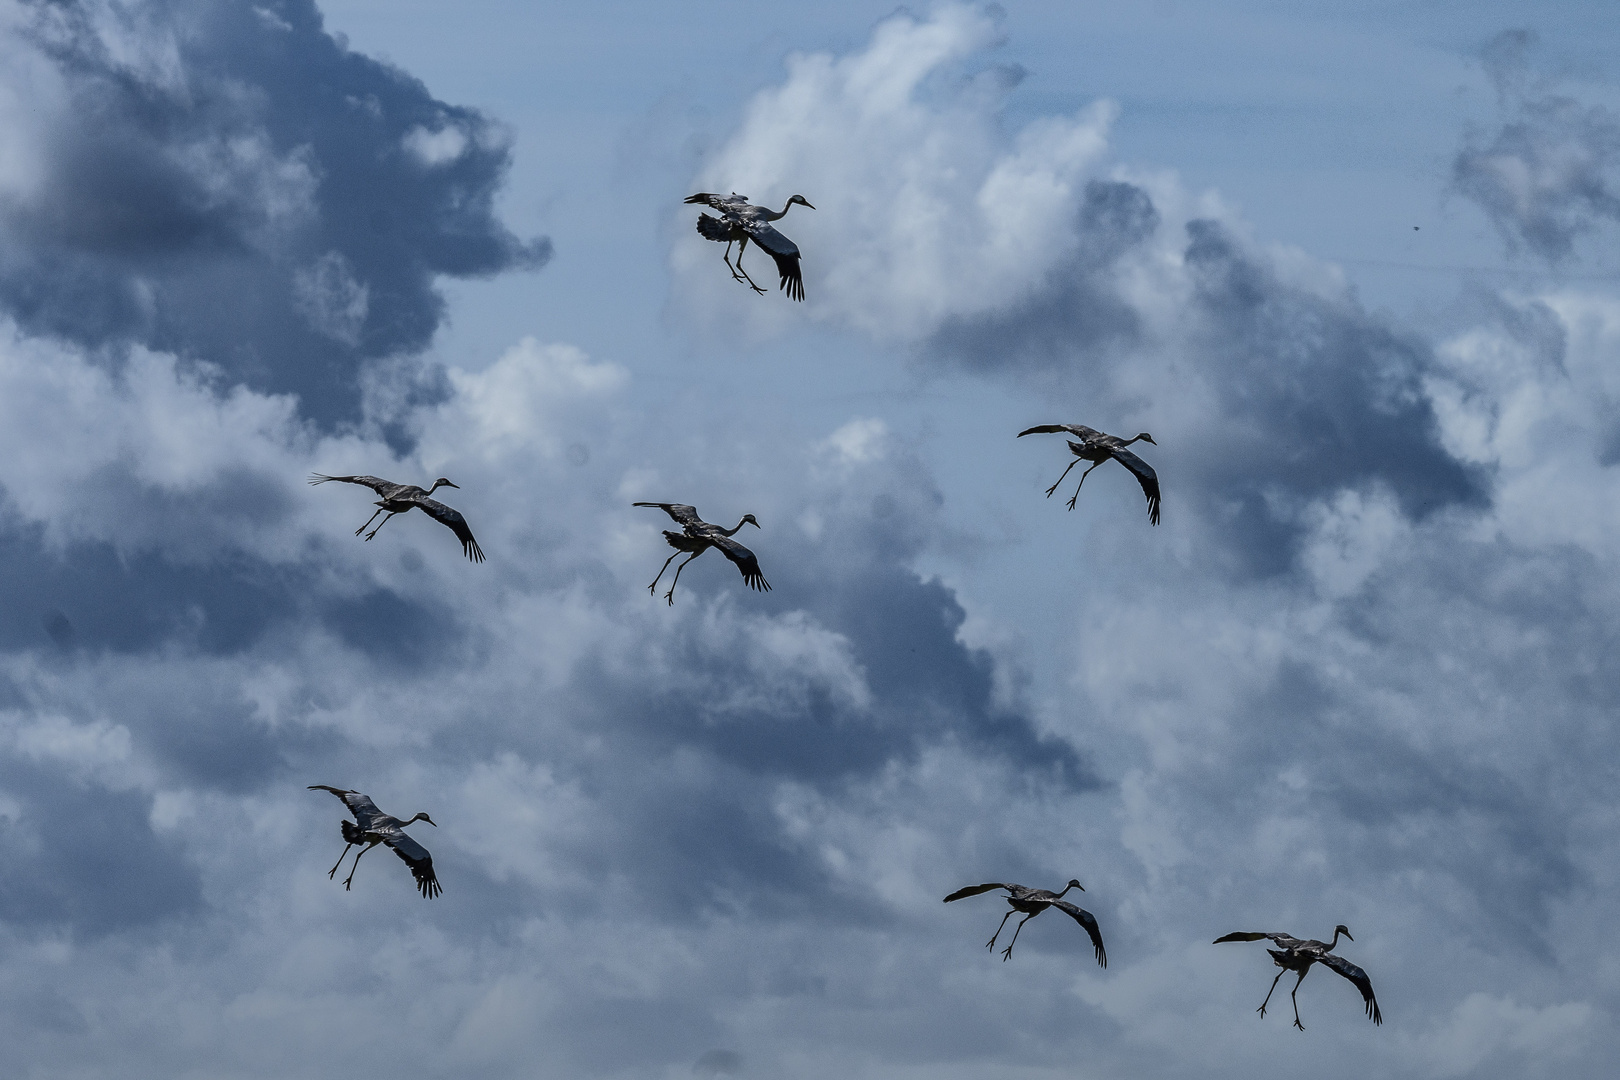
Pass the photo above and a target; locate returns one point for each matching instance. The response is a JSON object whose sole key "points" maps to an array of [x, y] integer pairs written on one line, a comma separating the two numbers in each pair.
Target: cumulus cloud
{"points": [[231, 184], [1545, 175]]}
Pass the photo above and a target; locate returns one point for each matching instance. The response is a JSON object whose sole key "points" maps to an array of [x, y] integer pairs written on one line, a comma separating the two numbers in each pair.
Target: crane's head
{"points": [[800, 199], [442, 482], [750, 519], [422, 816], [1073, 884], [1145, 437], [1342, 929]]}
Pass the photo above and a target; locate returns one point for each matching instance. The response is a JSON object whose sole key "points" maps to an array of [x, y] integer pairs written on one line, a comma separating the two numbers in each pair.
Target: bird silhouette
{"points": [[1297, 955], [699, 536], [1096, 447], [1032, 902], [399, 498], [375, 827], [741, 221]]}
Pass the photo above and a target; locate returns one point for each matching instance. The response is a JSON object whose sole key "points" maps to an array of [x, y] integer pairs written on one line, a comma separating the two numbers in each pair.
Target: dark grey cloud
{"points": [[1546, 174], [272, 202]]}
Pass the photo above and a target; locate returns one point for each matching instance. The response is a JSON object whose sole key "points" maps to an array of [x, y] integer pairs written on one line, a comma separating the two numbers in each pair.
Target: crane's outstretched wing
{"points": [[458, 525], [711, 228], [1052, 429], [722, 203], [784, 251], [377, 484], [745, 562], [1359, 977], [1248, 936], [416, 857], [1144, 476], [1089, 921], [686, 515], [975, 890], [365, 812]]}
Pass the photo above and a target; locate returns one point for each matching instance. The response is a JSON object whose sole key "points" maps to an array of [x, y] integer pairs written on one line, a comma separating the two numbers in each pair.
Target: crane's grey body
{"points": [[741, 221], [1297, 955], [698, 536], [1096, 447], [1032, 902], [372, 827], [399, 498]]}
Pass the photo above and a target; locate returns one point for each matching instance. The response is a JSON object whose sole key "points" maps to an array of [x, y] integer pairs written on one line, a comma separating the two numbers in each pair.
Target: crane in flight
{"points": [[698, 536], [1297, 955], [372, 827], [398, 498], [1032, 902], [741, 221], [1097, 448]]}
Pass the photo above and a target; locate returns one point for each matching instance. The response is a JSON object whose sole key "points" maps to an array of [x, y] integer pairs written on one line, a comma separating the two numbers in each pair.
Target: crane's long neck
{"points": [[1066, 888], [733, 531], [1335, 940], [436, 486], [770, 215]]}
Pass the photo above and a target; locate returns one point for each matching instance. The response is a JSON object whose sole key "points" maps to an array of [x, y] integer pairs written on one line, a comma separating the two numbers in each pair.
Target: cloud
{"points": [[1545, 174], [231, 184]]}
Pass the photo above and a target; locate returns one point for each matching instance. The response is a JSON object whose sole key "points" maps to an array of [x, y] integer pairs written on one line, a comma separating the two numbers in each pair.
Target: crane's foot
{"points": [[1261, 1010], [360, 530], [1048, 494], [670, 596], [1071, 501], [652, 590], [373, 532], [756, 288], [1298, 1024], [1006, 954]]}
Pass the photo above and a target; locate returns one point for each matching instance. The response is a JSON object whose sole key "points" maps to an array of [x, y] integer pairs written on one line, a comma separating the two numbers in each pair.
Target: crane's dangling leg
{"points": [[1296, 999], [369, 520], [1049, 490], [670, 596], [742, 246], [653, 588], [992, 942], [1006, 954], [356, 865], [392, 514], [727, 257], [1077, 487], [1263, 1004], [333, 872]]}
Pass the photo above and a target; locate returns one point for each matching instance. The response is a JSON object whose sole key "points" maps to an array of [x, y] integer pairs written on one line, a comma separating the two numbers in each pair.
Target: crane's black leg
{"points": [[392, 514], [670, 596], [1077, 487], [1263, 1004], [369, 520], [992, 942], [1051, 489], [356, 865], [653, 588], [1296, 999], [1006, 954], [333, 873], [727, 257], [742, 246]]}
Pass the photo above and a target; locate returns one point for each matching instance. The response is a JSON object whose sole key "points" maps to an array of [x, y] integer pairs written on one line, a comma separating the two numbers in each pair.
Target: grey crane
{"points": [[375, 827], [1096, 447], [398, 498], [741, 221], [1032, 902], [1297, 955], [698, 536]]}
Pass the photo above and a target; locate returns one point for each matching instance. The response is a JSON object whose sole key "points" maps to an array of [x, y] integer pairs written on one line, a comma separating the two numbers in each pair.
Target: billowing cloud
{"points": [[231, 184], [1546, 175]]}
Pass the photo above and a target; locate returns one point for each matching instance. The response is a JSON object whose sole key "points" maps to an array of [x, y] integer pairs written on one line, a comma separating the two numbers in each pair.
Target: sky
{"points": [[1352, 265]]}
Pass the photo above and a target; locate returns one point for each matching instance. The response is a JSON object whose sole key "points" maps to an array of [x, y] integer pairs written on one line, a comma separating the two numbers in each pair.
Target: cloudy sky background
{"points": [[1362, 672]]}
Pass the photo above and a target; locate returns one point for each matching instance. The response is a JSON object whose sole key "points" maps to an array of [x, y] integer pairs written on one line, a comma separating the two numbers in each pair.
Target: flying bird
{"points": [[1297, 955], [699, 536], [1032, 902], [376, 827], [739, 222], [398, 498], [1097, 448]]}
